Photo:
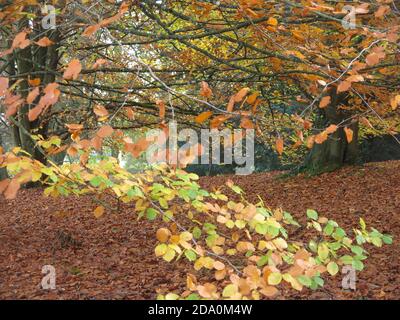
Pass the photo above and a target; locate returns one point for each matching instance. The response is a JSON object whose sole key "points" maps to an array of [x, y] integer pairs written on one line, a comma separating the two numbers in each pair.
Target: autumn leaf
{"points": [[73, 70], [20, 41], [130, 113], [32, 95], [325, 101], [205, 90], [12, 189], [241, 94], [321, 137], [161, 107], [344, 86], [252, 98], [99, 211], [90, 30], [349, 134], [99, 62], [272, 21], [163, 234], [3, 85], [279, 145], [34, 82], [44, 42], [202, 117], [246, 123], [105, 131], [395, 102], [35, 112], [100, 111], [331, 129], [4, 184]]}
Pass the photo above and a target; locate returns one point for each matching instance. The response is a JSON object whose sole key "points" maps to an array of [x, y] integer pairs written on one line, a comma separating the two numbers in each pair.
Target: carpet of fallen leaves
{"points": [[112, 257]]}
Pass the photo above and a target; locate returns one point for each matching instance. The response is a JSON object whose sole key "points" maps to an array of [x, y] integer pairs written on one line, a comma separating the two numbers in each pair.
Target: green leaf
{"points": [[312, 214], [387, 239], [328, 229], [151, 213], [190, 255], [196, 232], [346, 259], [96, 181], [262, 261], [376, 241], [261, 228], [304, 280], [358, 265], [357, 250]]}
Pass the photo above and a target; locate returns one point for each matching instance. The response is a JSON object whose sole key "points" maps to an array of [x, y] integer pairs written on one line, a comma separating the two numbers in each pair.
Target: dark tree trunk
{"points": [[336, 151]]}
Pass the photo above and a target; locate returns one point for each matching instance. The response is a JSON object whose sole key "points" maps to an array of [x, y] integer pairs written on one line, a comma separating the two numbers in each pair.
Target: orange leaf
{"points": [[252, 98], [161, 106], [372, 59], [3, 85], [73, 70], [272, 21], [44, 42], [89, 31], [231, 104], [35, 112], [98, 212], [105, 131], [241, 94], [349, 134], [20, 41], [203, 116], [4, 184], [100, 111], [325, 101], [163, 234], [32, 95], [331, 129], [99, 62], [246, 123], [344, 86], [279, 145], [12, 189], [321, 138], [34, 82], [130, 113], [205, 90]]}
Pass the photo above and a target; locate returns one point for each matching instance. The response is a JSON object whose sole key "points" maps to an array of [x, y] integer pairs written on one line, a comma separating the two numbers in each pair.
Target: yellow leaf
{"points": [[272, 22]]}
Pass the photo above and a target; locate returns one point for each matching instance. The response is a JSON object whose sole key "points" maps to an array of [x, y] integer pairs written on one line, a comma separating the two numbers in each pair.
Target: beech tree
{"points": [[289, 70], [297, 57]]}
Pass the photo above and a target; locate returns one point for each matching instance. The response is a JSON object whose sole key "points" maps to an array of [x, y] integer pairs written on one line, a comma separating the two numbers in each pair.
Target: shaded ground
{"points": [[112, 257]]}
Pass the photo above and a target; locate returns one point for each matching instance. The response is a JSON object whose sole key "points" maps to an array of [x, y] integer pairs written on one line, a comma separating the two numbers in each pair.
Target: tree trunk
{"points": [[3, 171], [336, 151]]}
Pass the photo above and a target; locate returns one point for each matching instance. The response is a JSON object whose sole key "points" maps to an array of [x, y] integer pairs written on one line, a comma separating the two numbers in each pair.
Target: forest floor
{"points": [[113, 258]]}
